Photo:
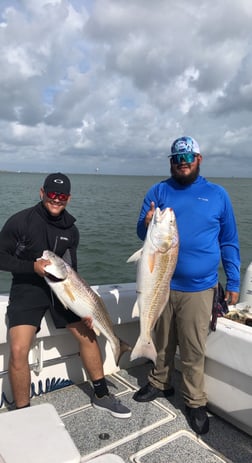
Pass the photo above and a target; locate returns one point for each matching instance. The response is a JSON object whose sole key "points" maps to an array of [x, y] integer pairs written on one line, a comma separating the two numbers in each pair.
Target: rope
{"points": [[50, 386]]}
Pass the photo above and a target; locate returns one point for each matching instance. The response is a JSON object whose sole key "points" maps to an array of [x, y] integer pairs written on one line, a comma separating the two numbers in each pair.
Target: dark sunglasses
{"points": [[59, 196], [186, 157]]}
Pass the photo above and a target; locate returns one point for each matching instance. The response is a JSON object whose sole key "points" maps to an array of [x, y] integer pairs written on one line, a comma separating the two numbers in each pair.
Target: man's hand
{"points": [[39, 266], [149, 214], [231, 297], [88, 322]]}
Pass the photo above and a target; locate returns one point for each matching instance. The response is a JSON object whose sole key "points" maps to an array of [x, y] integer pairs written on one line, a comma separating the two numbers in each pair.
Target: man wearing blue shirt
{"points": [[207, 233]]}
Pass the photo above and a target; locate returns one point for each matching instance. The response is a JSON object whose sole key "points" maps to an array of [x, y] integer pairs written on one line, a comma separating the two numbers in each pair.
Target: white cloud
{"points": [[111, 83]]}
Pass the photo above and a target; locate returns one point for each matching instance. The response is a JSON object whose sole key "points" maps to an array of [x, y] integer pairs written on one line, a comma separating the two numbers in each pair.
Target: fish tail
{"points": [[120, 349], [144, 349]]}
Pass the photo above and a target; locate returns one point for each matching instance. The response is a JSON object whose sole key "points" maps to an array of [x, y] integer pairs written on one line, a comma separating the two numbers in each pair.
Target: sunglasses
{"points": [[59, 196], [186, 157]]}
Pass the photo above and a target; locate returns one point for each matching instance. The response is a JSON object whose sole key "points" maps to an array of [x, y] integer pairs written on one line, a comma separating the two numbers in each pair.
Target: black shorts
{"points": [[28, 304]]}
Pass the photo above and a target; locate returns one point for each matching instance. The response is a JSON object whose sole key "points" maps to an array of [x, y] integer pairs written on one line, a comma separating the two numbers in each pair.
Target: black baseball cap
{"points": [[57, 183]]}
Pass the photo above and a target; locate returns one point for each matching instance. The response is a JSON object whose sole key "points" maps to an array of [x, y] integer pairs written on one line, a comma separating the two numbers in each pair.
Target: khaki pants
{"points": [[184, 321]]}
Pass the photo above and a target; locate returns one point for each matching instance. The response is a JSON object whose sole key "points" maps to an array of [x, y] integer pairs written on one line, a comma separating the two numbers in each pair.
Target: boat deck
{"points": [[157, 432]]}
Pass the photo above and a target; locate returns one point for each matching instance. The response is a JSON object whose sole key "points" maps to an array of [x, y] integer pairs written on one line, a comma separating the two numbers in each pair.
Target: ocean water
{"points": [[106, 208]]}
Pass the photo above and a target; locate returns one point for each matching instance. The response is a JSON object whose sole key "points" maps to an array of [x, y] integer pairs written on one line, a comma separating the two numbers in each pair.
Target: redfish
{"points": [[156, 262], [76, 294]]}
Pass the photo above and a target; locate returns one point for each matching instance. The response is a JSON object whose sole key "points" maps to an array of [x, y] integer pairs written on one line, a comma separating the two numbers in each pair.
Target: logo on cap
{"points": [[185, 145]]}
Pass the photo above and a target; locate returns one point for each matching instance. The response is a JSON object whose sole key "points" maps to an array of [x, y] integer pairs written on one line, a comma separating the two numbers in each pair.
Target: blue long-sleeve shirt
{"points": [[207, 232]]}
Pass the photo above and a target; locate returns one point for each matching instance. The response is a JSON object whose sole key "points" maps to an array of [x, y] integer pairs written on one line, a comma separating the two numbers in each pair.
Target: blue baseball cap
{"points": [[184, 145]]}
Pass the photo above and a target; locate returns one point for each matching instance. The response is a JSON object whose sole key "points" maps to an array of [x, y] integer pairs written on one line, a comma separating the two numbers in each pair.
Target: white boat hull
{"points": [[228, 373]]}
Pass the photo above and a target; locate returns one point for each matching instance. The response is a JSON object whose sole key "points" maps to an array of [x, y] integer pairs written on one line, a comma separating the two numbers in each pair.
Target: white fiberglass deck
{"points": [[157, 432]]}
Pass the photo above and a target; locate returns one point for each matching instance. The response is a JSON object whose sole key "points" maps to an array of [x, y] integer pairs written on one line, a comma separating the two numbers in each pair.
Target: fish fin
{"points": [[124, 347], [151, 261], [96, 330], [144, 349], [69, 292], [135, 311], [136, 256]]}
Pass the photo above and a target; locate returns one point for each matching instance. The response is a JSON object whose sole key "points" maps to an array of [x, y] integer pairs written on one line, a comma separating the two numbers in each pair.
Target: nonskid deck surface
{"points": [[157, 432]]}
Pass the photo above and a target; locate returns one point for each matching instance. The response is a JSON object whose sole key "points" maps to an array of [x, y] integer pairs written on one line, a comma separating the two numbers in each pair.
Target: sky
{"points": [[107, 85]]}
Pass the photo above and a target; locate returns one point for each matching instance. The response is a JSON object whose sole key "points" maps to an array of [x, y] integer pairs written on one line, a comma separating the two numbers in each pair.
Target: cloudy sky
{"points": [[109, 84]]}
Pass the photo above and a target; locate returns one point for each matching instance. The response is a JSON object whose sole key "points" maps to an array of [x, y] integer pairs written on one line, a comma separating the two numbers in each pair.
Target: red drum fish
{"points": [[156, 262], [76, 294]]}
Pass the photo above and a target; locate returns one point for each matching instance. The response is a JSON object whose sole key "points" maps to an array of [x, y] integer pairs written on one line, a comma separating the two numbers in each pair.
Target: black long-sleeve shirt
{"points": [[28, 233]]}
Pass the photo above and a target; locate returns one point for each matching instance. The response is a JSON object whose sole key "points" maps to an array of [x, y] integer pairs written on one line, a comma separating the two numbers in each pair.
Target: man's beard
{"points": [[185, 179]]}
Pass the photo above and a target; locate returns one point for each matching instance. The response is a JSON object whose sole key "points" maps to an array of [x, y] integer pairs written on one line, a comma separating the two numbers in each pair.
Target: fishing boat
{"points": [[62, 427]]}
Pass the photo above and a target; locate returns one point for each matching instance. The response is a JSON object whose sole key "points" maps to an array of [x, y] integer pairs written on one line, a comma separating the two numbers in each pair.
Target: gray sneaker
{"points": [[111, 404]]}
